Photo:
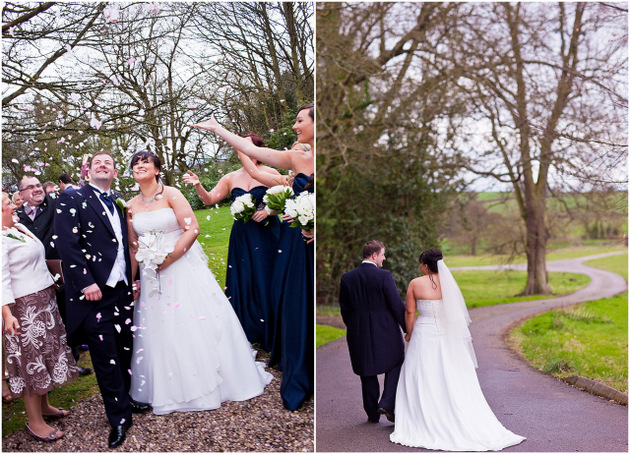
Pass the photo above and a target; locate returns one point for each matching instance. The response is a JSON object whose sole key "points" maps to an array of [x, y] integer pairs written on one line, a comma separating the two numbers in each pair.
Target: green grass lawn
{"points": [[589, 339], [215, 226], [486, 288], [326, 334], [214, 236]]}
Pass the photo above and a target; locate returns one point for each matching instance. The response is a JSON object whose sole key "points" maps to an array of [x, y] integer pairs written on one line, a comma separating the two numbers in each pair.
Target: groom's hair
{"points": [[371, 247], [102, 152]]}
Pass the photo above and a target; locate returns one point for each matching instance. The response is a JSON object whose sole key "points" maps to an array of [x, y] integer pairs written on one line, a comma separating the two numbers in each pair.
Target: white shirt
{"points": [[118, 272], [369, 262], [24, 269]]}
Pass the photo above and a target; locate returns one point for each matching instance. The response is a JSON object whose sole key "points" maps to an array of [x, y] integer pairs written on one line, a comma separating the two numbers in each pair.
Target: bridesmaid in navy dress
{"points": [[293, 276], [251, 250]]}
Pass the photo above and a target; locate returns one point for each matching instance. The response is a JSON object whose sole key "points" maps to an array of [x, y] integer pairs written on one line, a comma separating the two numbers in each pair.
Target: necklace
{"points": [[149, 201]]}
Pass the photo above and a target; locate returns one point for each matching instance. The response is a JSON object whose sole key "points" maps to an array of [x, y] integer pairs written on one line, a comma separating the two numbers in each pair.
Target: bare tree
{"points": [[547, 84]]}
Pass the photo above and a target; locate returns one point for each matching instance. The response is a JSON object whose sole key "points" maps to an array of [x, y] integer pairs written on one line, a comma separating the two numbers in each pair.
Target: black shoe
{"points": [[387, 413], [84, 371], [373, 420], [138, 408], [118, 434]]}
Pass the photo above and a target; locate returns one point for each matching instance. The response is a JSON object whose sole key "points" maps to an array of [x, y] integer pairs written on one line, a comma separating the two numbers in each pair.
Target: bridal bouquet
{"points": [[152, 250], [302, 210], [276, 197], [243, 208]]}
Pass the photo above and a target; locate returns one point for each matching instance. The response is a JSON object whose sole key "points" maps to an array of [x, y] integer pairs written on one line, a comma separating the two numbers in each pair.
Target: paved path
{"points": [[552, 415]]}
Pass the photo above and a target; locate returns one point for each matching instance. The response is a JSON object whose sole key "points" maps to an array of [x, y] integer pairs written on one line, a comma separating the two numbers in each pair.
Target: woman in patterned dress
{"points": [[38, 357]]}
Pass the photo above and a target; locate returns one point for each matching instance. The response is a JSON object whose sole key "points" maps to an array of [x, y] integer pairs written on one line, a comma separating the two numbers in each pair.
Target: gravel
{"points": [[257, 425]]}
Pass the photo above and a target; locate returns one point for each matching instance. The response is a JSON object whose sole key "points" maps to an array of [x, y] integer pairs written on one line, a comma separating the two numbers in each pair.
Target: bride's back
{"points": [[427, 287]]}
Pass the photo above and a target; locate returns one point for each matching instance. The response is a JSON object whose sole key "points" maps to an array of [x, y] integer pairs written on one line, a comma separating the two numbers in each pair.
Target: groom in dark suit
{"points": [[374, 313], [92, 242]]}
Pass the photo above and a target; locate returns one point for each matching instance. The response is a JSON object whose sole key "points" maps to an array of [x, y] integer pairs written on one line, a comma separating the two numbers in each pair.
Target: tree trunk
{"points": [[537, 279]]}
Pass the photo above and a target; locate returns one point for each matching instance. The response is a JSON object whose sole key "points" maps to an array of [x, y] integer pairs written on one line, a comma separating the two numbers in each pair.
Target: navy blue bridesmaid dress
{"points": [[293, 294], [248, 279]]}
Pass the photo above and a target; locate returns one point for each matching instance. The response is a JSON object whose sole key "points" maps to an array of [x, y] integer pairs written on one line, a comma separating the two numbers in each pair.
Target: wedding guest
{"points": [[251, 249], [65, 183], [17, 199], [33, 331], [292, 286], [37, 214], [50, 187]]}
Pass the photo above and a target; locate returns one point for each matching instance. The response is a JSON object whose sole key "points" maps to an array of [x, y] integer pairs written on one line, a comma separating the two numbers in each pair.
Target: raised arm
{"points": [[215, 195], [267, 176], [275, 158]]}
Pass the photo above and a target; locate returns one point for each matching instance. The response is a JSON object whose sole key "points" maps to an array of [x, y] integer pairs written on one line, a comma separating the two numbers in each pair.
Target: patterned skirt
{"points": [[39, 359]]}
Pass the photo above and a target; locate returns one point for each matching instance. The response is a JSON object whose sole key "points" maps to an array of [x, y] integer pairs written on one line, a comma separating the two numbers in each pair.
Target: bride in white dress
{"points": [[439, 403], [190, 352]]}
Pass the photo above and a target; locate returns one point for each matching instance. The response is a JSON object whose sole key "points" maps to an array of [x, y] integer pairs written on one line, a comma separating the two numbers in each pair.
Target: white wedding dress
{"points": [[439, 403], [190, 352]]}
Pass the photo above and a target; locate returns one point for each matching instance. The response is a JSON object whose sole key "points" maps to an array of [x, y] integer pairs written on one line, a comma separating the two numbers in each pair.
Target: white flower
{"points": [[243, 207]]}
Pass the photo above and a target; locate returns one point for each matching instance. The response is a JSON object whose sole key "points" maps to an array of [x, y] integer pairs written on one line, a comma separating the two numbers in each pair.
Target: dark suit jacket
{"points": [[42, 225], [373, 312], [87, 245]]}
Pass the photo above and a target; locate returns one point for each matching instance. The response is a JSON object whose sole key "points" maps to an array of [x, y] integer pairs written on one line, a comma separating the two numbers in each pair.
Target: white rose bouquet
{"points": [[302, 210], [152, 251], [276, 197], [243, 208]]}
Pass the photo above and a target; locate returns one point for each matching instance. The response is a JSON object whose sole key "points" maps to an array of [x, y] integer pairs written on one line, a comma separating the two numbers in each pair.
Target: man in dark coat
{"points": [[93, 244], [374, 314]]}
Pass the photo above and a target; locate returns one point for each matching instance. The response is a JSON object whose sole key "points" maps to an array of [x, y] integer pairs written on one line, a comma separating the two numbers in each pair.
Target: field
{"points": [[590, 339]]}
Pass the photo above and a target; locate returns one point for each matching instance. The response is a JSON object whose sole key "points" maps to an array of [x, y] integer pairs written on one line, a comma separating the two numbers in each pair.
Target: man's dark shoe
{"points": [[118, 434], [373, 420], [139, 408], [84, 371], [387, 413]]}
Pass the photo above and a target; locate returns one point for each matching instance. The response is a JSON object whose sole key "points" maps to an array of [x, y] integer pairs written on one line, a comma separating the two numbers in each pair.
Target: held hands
{"points": [[407, 337], [191, 178], [210, 125]]}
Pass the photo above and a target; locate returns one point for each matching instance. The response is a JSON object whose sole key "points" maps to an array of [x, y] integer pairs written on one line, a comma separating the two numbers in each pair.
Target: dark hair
{"points": [[430, 258], [65, 178], [311, 110], [146, 155], [48, 184], [258, 142], [371, 247]]}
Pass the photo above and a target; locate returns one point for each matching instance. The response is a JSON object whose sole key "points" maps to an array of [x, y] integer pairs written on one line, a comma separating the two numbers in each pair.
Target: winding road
{"points": [[554, 416]]}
